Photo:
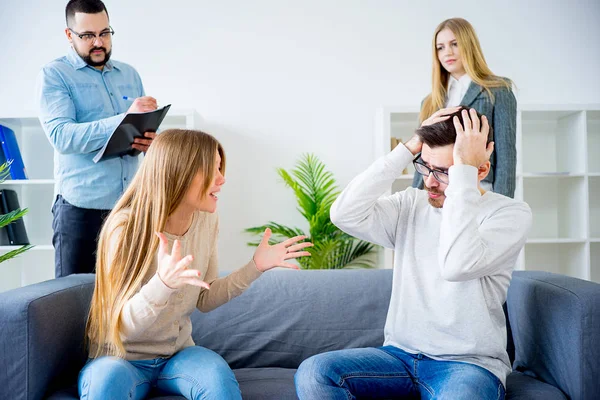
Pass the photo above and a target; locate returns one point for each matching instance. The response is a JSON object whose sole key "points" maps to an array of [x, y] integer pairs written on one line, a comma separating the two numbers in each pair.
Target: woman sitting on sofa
{"points": [[157, 261]]}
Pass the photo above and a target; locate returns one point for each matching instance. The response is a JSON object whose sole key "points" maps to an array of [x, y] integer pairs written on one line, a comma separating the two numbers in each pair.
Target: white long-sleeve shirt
{"points": [[452, 266]]}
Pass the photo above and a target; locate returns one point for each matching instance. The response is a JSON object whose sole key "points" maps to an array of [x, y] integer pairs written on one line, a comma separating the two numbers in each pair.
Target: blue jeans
{"points": [[388, 372], [195, 373]]}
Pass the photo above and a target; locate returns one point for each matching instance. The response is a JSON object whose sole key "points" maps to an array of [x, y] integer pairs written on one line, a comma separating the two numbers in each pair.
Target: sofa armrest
{"points": [[555, 322], [41, 335]]}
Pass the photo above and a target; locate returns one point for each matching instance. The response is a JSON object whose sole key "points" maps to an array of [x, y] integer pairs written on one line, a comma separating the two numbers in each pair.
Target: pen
{"points": [[128, 98]]}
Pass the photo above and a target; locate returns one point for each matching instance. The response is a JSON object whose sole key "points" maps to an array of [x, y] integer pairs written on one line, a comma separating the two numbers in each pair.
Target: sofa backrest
{"points": [[287, 316], [41, 336], [282, 319], [556, 326]]}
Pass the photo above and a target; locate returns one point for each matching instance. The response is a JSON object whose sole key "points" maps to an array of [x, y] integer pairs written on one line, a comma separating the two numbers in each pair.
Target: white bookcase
{"points": [[37, 195], [558, 175]]}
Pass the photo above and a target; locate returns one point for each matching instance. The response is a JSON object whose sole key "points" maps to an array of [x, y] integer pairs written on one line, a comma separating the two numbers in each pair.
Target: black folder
{"points": [[14, 233], [133, 126]]}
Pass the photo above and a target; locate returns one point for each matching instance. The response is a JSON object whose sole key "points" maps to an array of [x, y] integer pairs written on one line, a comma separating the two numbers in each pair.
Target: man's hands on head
{"points": [[415, 144], [440, 115], [470, 147]]}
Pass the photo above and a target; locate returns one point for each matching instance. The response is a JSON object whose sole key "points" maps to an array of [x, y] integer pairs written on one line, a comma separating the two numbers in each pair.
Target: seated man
{"points": [[455, 248]]}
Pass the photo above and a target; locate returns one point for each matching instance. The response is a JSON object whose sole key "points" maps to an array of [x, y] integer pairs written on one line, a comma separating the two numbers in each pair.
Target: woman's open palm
{"points": [[173, 269], [267, 256]]}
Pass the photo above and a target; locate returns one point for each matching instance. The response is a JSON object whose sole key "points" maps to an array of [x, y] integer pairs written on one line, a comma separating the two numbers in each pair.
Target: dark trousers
{"points": [[75, 237]]}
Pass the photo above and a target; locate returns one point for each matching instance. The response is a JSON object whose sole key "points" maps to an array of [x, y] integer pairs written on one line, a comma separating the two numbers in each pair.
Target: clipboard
{"points": [[133, 126]]}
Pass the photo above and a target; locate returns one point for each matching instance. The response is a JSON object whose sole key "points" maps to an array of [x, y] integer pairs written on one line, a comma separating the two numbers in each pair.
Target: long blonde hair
{"points": [[473, 62], [165, 174]]}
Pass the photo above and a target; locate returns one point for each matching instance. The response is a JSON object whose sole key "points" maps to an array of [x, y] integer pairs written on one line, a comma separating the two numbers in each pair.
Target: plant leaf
{"points": [[14, 253], [5, 170], [12, 216], [316, 190], [279, 232]]}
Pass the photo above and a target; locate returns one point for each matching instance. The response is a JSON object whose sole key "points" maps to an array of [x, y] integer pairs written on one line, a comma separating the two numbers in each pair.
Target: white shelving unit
{"points": [[37, 194], [558, 175]]}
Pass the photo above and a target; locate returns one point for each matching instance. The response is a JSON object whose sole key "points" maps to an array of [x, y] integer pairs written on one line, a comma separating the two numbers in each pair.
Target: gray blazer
{"points": [[503, 119]]}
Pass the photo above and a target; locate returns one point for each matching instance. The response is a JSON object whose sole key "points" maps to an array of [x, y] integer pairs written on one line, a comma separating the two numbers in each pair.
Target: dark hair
{"points": [[83, 6], [444, 133]]}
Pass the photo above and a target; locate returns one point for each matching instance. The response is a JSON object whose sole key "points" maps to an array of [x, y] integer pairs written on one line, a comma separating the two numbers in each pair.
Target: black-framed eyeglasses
{"points": [[421, 168], [88, 37]]}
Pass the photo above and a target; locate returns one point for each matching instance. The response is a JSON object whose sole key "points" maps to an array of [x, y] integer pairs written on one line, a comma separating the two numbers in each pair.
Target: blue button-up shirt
{"points": [[79, 108]]}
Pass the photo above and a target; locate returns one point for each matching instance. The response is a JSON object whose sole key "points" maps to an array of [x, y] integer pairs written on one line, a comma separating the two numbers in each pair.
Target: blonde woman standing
{"points": [[157, 262], [461, 76]]}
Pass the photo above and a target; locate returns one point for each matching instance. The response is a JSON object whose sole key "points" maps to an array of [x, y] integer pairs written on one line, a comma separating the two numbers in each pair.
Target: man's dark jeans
{"points": [[75, 237]]}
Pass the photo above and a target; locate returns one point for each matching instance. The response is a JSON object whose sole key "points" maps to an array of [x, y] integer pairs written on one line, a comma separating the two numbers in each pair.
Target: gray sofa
{"points": [[287, 316]]}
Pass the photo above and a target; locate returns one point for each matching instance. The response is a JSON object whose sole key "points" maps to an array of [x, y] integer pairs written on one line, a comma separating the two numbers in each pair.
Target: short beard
{"points": [[437, 203], [88, 59]]}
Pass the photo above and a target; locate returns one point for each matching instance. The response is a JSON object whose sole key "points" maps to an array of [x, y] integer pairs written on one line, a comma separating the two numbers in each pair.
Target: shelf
{"points": [[594, 206], [28, 182], [561, 108], [555, 241], [560, 258], [553, 141], [595, 262], [557, 206], [16, 122], [180, 118], [403, 124], [558, 175], [546, 175], [37, 195], [593, 141], [39, 247]]}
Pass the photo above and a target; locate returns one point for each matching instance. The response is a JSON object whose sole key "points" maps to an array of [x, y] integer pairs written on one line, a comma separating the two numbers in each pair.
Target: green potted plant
{"points": [[316, 190], [10, 217]]}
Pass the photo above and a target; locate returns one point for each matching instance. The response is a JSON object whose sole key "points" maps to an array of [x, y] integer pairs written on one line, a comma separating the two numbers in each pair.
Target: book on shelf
{"points": [[11, 153], [13, 234]]}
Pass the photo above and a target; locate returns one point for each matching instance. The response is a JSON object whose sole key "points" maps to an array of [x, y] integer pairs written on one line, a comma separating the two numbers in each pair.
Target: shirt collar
{"points": [[463, 82], [78, 62]]}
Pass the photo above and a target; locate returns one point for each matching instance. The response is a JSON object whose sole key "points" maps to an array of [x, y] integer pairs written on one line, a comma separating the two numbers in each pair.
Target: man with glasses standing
{"points": [[82, 99], [455, 249]]}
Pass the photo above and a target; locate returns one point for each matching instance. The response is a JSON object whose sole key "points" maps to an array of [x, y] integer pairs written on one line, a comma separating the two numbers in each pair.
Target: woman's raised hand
{"points": [[267, 256], [173, 269]]}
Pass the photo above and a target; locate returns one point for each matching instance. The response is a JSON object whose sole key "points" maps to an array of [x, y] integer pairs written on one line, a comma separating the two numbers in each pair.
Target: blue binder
{"points": [[10, 150]]}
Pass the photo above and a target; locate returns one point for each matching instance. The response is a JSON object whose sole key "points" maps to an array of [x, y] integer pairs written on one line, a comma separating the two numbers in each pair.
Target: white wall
{"points": [[274, 79]]}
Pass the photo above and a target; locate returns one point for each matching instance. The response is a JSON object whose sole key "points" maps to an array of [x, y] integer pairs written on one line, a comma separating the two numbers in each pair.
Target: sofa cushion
{"points": [[523, 387], [70, 393], [266, 383], [279, 322], [255, 384]]}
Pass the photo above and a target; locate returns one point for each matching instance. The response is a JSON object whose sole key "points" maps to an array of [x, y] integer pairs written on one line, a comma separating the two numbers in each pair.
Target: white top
{"points": [[452, 266], [457, 90]]}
